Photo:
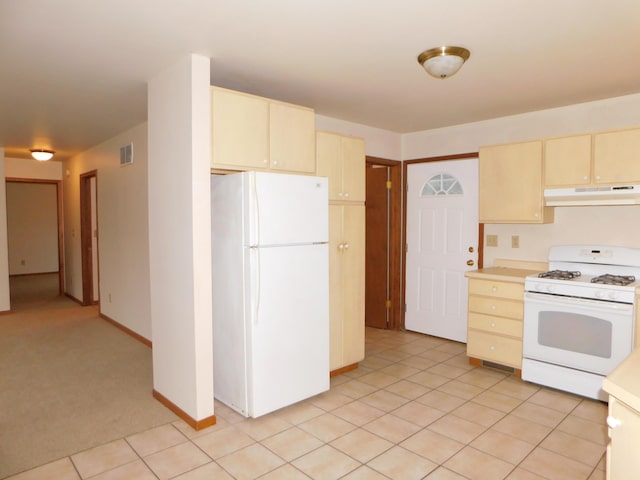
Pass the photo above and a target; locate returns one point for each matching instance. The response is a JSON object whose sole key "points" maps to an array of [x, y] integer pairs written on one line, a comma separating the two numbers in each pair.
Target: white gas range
{"points": [[579, 317]]}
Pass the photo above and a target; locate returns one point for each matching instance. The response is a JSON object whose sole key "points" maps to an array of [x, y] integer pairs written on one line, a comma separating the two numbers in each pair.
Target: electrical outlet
{"points": [[515, 241], [492, 240]]}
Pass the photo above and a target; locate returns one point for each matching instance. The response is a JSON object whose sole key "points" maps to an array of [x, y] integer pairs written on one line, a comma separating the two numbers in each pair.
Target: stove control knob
{"points": [[599, 294], [551, 288], [613, 295]]}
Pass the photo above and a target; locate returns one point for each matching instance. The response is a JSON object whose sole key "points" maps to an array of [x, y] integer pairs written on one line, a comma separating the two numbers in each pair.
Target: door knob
{"points": [[471, 263], [470, 249]]}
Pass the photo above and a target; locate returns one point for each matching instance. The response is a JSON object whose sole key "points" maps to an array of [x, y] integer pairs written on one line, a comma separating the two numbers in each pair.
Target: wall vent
{"points": [[126, 155]]}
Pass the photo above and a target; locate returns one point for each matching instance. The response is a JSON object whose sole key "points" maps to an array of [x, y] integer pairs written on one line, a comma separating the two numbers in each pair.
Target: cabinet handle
{"points": [[597, 177], [340, 246], [265, 161], [535, 215], [494, 289], [346, 194], [585, 178], [340, 194], [346, 246], [493, 324], [493, 307], [275, 162], [492, 348], [613, 422]]}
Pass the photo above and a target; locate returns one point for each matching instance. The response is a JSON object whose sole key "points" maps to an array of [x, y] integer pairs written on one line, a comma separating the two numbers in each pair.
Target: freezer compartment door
{"points": [[286, 209], [289, 325]]}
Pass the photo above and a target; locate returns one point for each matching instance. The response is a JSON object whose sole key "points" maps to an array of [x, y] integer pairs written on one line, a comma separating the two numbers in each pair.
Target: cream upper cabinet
{"points": [[510, 179], [255, 133], [346, 278], [567, 161], [616, 157], [342, 160]]}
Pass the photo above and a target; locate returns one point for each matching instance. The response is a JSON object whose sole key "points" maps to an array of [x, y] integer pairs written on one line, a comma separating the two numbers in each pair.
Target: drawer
{"points": [[496, 306], [503, 326], [513, 291], [502, 350]]}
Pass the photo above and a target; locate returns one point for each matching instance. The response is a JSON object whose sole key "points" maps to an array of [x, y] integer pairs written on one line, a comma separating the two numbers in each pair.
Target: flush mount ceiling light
{"points": [[41, 154], [442, 62]]}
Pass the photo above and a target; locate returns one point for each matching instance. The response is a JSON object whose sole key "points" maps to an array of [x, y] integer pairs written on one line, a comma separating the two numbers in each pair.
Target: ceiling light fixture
{"points": [[443, 62], [41, 154]]}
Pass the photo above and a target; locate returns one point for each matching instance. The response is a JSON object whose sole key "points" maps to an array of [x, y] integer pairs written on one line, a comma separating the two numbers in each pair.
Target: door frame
{"points": [[85, 237], [58, 184], [405, 164], [396, 260]]}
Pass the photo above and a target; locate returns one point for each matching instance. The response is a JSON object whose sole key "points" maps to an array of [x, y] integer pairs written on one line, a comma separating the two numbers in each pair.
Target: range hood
{"points": [[609, 195]]}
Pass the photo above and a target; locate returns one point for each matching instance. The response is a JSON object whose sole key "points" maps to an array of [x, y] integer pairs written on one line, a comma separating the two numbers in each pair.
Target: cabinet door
{"points": [[353, 269], [336, 340], [567, 161], [510, 178], [353, 169], [240, 130], [623, 462], [292, 137], [346, 284], [329, 162], [617, 157]]}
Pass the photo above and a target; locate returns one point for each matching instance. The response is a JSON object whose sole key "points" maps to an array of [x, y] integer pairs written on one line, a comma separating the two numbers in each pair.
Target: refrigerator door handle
{"points": [[255, 211], [255, 278]]}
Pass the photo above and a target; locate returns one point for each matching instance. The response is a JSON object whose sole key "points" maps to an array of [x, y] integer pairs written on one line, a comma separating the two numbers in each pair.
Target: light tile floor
{"points": [[414, 409]]}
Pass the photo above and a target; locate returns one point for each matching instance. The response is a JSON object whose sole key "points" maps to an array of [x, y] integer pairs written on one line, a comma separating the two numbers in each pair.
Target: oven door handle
{"points": [[555, 300]]}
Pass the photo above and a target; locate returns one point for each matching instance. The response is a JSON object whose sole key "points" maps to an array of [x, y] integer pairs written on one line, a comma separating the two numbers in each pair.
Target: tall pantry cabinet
{"points": [[342, 160]]}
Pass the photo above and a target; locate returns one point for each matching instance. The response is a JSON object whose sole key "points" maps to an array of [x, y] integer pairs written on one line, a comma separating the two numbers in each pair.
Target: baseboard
{"points": [[126, 330], [340, 371], [195, 424], [71, 297], [31, 274]]}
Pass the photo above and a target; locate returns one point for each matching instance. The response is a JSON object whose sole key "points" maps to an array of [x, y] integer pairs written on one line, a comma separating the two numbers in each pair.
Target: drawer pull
{"points": [[493, 307], [493, 324], [613, 422], [492, 348], [494, 289]]}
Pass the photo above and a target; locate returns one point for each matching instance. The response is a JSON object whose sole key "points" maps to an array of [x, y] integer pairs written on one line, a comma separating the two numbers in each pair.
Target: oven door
{"points": [[589, 335]]}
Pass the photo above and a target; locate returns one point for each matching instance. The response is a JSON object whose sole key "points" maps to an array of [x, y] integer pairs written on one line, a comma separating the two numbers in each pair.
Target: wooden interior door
{"points": [[377, 247], [89, 237]]}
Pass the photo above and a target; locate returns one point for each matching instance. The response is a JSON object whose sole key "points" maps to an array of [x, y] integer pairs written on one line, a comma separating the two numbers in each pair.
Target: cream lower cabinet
{"points": [[495, 322], [346, 289], [255, 133], [623, 461]]}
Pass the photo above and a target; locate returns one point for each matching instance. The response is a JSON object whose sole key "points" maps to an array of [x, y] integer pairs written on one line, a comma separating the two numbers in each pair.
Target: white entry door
{"points": [[442, 243]]}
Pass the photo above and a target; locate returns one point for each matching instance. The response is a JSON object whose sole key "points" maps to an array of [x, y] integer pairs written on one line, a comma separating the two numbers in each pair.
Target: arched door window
{"points": [[442, 184]]}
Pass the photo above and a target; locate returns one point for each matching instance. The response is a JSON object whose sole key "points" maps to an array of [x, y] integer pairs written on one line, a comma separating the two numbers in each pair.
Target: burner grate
{"points": [[560, 274], [609, 279]]}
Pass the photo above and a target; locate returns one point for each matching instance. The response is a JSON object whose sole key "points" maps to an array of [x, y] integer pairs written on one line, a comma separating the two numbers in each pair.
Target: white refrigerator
{"points": [[270, 266]]}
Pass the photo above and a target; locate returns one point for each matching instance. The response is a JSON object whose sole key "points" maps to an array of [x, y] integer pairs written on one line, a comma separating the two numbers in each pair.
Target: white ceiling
{"points": [[73, 73]]}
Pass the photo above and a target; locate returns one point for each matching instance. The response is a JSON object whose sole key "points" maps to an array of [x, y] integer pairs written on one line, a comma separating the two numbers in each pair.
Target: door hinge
{"points": [[388, 184], [387, 304], [406, 247], [405, 308]]}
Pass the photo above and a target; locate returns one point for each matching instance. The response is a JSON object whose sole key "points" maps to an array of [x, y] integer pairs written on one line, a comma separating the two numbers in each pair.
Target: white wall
{"points": [[5, 304], [180, 235], [122, 229], [378, 143], [32, 227], [29, 168], [614, 225]]}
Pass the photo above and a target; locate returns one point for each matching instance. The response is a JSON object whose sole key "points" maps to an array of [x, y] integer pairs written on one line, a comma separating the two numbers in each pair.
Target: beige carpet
{"points": [[69, 380]]}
